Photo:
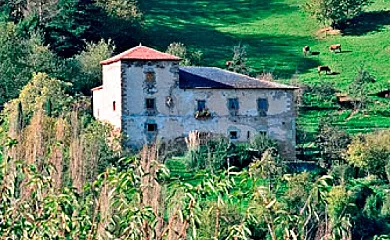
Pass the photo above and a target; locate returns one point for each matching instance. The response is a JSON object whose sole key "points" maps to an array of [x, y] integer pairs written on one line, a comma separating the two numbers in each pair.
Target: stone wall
{"points": [[176, 108]]}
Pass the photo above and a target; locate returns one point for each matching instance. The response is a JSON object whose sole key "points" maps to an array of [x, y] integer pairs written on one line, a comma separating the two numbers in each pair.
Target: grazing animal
{"points": [[325, 69], [228, 63], [335, 47], [306, 50]]}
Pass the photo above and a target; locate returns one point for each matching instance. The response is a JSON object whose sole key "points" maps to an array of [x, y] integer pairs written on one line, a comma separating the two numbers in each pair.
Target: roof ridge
{"points": [[141, 53], [236, 80]]}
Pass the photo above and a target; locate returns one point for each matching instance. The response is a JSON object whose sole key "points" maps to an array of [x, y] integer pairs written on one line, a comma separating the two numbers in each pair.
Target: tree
{"points": [[67, 30], [180, 50], [335, 12], [323, 92], [14, 74], [189, 58], [125, 10], [238, 63], [42, 59], [371, 152], [18, 10], [39, 91], [331, 140], [89, 73], [261, 143], [337, 205], [121, 21], [358, 88]]}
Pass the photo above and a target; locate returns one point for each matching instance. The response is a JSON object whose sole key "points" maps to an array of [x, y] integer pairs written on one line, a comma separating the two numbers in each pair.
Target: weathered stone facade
{"points": [[144, 100]]}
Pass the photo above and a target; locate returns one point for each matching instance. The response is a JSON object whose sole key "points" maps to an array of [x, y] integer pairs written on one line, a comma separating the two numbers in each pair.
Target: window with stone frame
{"points": [[233, 135], [262, 106], [233, 106], [262, 132], [150, 77], [150, 105], [151, 127], [201, 105]]}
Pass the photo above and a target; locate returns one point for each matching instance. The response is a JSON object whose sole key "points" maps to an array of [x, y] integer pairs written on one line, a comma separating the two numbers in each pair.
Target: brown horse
{"points": [[335, 47], [325, 69]]}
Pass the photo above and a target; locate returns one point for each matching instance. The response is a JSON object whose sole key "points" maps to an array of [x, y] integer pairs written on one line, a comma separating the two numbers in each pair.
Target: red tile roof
{"points": [[97, 88], [141, 53]]}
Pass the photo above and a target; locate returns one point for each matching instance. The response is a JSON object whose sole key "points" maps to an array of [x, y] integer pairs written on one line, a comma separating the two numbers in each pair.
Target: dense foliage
{"points": [[63, 39], [335, 13], [62, 175]]}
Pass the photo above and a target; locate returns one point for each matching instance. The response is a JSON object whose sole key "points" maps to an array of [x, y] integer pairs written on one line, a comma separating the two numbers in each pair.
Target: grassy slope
{"points": [[275, 32]]}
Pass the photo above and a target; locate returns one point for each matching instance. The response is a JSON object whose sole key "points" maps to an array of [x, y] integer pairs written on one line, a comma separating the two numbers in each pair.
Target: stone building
{"points": [[148, 96]]}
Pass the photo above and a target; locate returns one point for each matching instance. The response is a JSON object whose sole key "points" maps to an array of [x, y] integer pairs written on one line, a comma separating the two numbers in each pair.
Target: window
{"points": [[233, 104], [151, 127], [248, 135], [150, 104], [233, 135], [262, 106], [262, 133], [201, 105], [113, 105], [150, 77]]}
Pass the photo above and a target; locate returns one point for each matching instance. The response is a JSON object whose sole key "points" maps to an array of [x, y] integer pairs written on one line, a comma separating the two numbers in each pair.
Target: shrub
{"points": [[239, 62], [261, 143], [319, 93], [189, 58], [212, 155], [342, 173], [218, 154], [371, 152], [331, 140], [335, 12]]}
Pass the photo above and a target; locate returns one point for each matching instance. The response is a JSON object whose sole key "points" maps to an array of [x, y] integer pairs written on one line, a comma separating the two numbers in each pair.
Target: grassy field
{"points": [[274, 33]]}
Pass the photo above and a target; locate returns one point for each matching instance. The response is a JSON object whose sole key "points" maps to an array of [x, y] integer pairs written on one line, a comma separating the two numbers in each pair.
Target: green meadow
{"points": [[274, 33]]}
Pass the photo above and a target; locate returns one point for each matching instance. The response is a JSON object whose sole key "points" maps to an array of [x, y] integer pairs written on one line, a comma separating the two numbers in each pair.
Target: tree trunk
{"points": [[217, 216]]}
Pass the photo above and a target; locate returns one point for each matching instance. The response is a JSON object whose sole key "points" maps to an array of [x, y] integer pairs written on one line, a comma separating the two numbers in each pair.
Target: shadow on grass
{"points": [[215, 27], [367, 22], [221, 12], [276, 54], [347, 51]]}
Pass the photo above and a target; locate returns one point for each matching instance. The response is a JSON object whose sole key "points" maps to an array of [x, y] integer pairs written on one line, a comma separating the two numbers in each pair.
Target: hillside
{"points": [[274, 33]]}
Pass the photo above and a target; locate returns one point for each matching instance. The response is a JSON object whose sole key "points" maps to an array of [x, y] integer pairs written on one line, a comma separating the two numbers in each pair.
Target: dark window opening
{"points": [[113, 105], [233, 104], [248, 136], [233, 134], [263, 133], [201, 105], [151, 127], [262, 106], [150, 104]]}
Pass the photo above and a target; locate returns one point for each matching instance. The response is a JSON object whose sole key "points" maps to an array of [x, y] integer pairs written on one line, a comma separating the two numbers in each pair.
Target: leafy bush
{"points": [[323, 93], [261, 143], [331, 140], [342, 173], [211, 156], [188, 58], [335, 12], [89, 72], [219, 154], [239, 61], [371, 152]]}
